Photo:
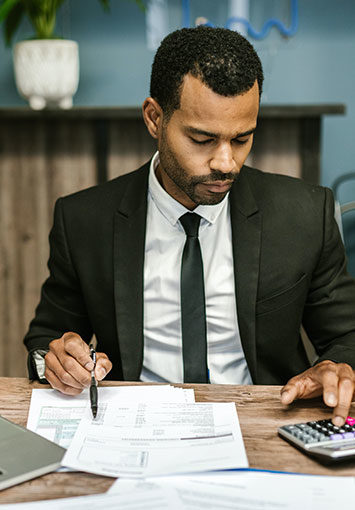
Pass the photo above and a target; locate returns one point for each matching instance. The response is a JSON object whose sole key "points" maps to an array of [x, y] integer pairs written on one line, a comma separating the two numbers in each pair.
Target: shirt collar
{"points": [[171, 208]]}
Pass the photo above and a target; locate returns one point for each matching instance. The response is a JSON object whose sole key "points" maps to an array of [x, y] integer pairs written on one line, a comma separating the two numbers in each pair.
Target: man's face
{"points": [[205, 143]]}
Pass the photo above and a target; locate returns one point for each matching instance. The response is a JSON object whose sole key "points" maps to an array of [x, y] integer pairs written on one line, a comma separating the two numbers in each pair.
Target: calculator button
{"points": [[350, 421], [290, 428], [348, 435], [336, 437]]}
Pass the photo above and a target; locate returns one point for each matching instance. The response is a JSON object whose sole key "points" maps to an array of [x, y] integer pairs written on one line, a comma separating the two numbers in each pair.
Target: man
{"points": [[272, 256]]}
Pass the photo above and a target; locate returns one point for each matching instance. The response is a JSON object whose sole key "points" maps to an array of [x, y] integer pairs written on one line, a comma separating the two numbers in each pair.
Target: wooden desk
{"points": [[259, 411]]}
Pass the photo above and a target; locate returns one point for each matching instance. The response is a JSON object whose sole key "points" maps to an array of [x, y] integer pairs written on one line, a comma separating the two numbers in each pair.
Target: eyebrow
{"points": [[197, 131]]}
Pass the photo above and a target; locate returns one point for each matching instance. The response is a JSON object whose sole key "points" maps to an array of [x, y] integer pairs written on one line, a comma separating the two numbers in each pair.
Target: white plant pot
{"points": [[47, 72]]}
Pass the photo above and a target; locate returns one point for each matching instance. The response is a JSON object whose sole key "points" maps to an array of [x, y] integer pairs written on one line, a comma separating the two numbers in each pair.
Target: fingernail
{"points": [[89, 365], [338, 421], [100, 373], [331, 399]]}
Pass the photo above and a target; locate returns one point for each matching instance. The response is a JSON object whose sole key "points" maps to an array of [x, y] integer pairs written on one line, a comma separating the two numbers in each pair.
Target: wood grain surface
{"points": [[260, 414]]}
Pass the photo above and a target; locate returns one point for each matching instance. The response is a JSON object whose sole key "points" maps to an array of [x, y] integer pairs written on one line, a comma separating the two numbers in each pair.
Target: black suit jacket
{"points": [[289, 267]]}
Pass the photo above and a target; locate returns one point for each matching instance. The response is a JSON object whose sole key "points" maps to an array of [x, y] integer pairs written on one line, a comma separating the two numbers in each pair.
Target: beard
{"points": [[189, 184]]}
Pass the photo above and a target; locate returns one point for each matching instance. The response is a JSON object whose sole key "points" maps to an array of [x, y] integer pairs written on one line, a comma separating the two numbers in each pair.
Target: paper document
{"points": [[250, 490], [139, 440], [152, 499], [56, 416]]}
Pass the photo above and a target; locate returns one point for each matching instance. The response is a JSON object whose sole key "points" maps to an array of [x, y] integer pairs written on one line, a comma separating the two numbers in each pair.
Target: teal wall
{"points": [[317, 65]]}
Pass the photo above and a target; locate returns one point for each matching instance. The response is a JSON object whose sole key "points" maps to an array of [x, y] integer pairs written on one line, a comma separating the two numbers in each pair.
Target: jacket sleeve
{"points": [[61, 307], [329, 313]]}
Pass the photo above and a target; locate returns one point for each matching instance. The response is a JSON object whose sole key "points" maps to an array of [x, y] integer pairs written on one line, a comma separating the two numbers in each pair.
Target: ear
{"points": [[153, 116]]}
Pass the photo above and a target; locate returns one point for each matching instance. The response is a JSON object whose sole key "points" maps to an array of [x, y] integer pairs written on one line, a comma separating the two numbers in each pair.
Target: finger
{"points": [[62, 373], [345, 395], [58, 385], [67, 362], [329, 380], [78, 349], [290, 391], [103, 366]]}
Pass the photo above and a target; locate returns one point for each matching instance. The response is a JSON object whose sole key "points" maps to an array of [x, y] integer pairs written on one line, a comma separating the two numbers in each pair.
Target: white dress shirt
{"points": [[165, 239]]}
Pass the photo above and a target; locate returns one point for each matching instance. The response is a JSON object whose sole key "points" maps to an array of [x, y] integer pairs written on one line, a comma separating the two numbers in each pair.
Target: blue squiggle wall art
{"points": [[272, 22]]}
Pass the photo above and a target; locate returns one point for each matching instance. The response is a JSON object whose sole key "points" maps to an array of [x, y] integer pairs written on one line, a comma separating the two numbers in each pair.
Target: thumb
{"points": [[289, 393], [103, 366]]}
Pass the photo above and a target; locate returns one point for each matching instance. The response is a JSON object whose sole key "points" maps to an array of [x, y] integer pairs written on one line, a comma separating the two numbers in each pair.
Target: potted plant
{"points": [[46, 66]]}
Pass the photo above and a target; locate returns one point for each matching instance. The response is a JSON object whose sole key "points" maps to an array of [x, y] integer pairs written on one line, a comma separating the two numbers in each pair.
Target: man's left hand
{"points": [[336, 381]]}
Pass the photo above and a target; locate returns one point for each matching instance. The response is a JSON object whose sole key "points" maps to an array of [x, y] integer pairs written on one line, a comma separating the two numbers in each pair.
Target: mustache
{"points": [[216, 175]]}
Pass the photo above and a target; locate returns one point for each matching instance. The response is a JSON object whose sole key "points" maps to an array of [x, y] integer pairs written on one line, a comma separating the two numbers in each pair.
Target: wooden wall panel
{"points": [[130, 145], [39, 161], [276, 147]]}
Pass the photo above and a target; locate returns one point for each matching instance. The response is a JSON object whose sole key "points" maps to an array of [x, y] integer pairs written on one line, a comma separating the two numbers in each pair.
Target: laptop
{"points": [[25, 455]]}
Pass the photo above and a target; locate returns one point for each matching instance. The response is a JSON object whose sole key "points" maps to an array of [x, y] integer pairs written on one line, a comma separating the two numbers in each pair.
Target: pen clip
{"points": [[93, 357], [93, 354]]}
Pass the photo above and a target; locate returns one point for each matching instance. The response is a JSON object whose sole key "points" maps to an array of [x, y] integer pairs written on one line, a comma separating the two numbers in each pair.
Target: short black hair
{"points": [[222, 59]]}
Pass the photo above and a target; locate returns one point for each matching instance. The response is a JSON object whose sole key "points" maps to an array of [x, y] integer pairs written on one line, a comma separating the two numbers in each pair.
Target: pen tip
{"points": [[94, 412]]}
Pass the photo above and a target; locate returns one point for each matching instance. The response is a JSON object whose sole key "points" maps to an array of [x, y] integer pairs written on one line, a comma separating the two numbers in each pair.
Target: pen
{"points": [[93, 385]]}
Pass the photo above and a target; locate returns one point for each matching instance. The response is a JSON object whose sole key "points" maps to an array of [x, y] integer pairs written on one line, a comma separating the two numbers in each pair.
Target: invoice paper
{"points": [[150, 499], [251, 490], [56, 416], [149, 439]]}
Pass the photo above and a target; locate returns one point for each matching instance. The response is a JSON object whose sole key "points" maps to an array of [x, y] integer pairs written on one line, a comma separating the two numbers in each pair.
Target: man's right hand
{"points": [[68, 364]]}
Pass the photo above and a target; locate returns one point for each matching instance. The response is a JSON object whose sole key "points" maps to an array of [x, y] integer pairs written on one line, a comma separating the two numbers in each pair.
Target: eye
{"points": [[241, 141], [203, 142]]}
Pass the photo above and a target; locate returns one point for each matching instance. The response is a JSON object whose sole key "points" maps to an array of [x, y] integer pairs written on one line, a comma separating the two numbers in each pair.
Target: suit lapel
{"points": [[246, 234], [129, 244]]}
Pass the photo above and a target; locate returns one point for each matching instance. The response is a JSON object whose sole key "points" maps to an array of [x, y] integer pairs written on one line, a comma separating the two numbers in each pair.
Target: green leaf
{"points": [[106, 4], [41, 13], [12, 22], [5, 8]]}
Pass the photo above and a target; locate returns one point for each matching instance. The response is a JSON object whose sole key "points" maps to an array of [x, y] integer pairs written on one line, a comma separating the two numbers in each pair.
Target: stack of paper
{"points": [[149, 439], [152, 499], [140, 431], [249, 490], [231, 490]]}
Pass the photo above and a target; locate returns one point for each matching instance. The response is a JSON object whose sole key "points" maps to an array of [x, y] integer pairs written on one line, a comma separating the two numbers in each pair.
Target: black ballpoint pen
{"points": [[93, 384]]}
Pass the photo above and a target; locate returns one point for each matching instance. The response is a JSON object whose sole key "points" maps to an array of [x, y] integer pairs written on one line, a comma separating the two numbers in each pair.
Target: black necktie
{"points": [[193, 314]]}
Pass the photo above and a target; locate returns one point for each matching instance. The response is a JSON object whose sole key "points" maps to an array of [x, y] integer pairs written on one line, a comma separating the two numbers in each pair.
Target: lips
{"points": [[218, 186]]}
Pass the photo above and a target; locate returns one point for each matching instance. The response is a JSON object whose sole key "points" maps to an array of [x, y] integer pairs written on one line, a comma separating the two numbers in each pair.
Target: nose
{"points": [[222, 159]]}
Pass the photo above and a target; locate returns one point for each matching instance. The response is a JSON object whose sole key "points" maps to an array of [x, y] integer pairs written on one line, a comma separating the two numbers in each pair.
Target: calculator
{"points": [[322, 439]]}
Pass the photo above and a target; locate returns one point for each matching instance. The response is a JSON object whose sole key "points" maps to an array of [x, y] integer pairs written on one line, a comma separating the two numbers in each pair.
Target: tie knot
{"points": [[191, 223]]}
